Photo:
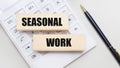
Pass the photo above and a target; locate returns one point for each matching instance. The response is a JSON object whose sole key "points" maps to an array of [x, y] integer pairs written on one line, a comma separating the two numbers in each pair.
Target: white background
{"points": [[107, 15]]}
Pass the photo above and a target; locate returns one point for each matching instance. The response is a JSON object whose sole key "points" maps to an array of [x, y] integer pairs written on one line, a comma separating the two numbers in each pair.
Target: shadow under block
{"points": [[42, 22], [60, 42]]}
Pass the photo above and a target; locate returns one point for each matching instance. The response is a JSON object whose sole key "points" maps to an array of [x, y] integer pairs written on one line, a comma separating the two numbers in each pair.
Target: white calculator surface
{"points": [[23, 40]]}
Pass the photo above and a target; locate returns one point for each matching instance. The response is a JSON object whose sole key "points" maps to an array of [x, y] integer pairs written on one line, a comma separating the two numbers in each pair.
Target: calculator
{"points": [[23, 39]]}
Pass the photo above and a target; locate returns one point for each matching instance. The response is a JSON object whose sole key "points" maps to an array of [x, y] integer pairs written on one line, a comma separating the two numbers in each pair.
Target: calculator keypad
{"points": [[24, 39]]}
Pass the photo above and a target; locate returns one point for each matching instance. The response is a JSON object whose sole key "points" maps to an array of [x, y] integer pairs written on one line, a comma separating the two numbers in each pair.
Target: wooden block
{"points": [[59, 42], [42, 22]]}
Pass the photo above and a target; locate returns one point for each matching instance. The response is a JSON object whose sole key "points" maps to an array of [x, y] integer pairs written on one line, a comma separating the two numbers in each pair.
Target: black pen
{"points": [[101, 34]]}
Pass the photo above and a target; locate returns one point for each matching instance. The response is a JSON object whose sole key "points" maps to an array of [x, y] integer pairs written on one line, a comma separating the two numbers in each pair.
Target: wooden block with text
{"points": [[42, 22], [60, 42]]}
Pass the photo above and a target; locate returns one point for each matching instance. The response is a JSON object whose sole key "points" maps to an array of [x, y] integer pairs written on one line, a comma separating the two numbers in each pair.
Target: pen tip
{"points": [[83, 9]]}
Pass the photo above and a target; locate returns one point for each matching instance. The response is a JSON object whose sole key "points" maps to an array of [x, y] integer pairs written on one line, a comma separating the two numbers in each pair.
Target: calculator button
{"points": [[34, 56], [65, 9], [71, 19], [30, 7], [24, 39], [28, 33], [41, 1], [15, 32], [48, 9], [76, 29], [59, 3], [10, 22], [20, 11], [28, 48]]}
